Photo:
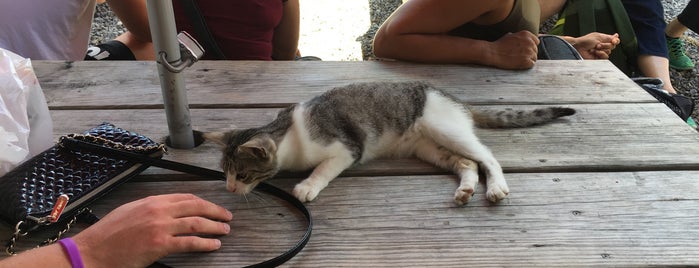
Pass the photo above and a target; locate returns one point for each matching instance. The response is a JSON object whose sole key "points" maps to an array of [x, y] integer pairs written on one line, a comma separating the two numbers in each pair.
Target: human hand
{"points": [[137, 234], [514, 51], [596, 45]]}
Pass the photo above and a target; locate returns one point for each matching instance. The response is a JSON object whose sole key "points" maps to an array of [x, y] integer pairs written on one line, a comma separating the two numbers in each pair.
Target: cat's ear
{"points": [[261, 148], [220, 138]]}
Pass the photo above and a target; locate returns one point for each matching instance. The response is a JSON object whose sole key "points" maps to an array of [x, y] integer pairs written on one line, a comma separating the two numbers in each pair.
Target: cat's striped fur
{"points": [[363, 121]]}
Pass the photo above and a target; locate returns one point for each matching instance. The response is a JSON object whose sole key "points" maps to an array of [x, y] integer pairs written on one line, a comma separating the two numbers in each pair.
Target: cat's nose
{"points": [[230, 187]]}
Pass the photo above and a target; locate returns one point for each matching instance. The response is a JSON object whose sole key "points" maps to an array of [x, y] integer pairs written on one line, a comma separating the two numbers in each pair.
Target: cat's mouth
{"points": [[238, 187]]}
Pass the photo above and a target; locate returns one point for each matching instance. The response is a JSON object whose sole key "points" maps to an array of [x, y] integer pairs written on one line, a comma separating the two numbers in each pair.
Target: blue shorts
{"points": [[648, 22]]}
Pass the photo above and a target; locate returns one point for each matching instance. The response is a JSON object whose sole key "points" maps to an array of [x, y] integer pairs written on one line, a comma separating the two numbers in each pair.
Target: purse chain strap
{"points": [[10, 247], [113, 144]]}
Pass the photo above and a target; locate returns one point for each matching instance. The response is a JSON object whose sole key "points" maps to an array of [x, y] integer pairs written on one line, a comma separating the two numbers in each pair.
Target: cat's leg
{"points": [[468, 145], [467, 169], [326, 171], [449, 125]]}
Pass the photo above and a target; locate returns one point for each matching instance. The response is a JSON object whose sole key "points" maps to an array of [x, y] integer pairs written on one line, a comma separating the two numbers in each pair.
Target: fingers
{"points": [[199, 207], [193, 244], [602, 55], [173, 197], [198, 225], [517, 50], [531, 36], [615, 39]]}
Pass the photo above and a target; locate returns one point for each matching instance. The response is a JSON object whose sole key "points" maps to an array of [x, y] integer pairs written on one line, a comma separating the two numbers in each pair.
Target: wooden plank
{"points": [[601, 137], [117, 84], [549, 220]]}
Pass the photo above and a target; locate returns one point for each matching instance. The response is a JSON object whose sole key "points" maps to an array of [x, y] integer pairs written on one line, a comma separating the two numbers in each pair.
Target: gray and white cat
{"points": [[359, 122]]}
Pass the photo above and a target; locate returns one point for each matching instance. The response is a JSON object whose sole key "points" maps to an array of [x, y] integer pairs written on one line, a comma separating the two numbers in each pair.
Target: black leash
{"points": [[79, 145]]}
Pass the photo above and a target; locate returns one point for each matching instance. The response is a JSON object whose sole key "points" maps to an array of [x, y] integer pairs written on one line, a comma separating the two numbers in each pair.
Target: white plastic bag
{"points": [[25, 124]]}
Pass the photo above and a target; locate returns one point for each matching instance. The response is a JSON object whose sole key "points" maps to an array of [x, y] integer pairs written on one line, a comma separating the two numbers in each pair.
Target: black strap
{"points": [[79, 145], [200, 28]]}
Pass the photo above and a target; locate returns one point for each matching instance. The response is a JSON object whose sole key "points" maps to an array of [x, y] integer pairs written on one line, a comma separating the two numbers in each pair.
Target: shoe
{"points": [[678, 59], [692, 124], [681, 105], [110, 50]]}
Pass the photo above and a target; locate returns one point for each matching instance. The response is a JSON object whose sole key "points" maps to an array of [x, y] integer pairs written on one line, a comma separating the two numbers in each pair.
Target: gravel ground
{"points": [[342, 31]]}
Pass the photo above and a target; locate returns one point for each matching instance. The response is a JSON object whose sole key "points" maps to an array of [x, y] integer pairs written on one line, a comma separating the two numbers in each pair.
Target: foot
{"points": [[678, 59], [497, 191], [681, 105], [462, 195], [306, 191]]}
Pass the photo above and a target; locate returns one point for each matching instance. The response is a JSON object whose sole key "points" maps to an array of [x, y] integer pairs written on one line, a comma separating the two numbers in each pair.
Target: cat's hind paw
{"points": [[497, 192], [305, 191], [462, 195]]}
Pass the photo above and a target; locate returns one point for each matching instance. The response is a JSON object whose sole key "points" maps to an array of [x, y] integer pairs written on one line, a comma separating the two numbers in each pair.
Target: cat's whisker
{"points": [[261, 197], [247, 202]]}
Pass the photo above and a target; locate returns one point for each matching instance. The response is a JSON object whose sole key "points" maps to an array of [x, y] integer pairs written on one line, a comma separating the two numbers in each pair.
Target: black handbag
{"points": [[56, 186]]}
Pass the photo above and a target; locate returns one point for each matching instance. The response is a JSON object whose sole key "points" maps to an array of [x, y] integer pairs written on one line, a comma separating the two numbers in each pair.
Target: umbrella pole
{"points": [[164, 33]]}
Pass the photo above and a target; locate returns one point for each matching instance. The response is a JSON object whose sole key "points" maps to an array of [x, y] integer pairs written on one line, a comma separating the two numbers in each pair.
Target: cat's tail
{"points": [[510, 118]]}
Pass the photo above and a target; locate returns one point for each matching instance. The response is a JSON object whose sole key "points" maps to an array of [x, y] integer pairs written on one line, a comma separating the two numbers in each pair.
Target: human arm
{"points": [[286, 35], [550, 8], [417, 31], [139, 233], [49, 256]]}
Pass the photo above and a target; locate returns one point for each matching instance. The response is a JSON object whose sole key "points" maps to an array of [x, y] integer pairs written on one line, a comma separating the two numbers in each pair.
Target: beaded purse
{"points": [[56, 185]]}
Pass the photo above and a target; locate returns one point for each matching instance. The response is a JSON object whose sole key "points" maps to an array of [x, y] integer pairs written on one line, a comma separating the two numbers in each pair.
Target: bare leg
{"points": [[656, 66], [467, 170], [143, 50], [675, 28]]}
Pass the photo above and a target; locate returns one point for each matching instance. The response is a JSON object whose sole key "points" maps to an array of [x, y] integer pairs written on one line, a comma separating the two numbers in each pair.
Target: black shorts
{"points": [[690, 16]]}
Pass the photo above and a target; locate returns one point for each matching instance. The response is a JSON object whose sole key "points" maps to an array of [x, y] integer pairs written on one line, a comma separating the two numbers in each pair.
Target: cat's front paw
{"points": [[497, 191], [462, 195], [306, 191]]}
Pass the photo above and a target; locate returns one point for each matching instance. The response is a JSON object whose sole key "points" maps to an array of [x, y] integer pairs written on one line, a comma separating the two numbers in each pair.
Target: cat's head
{"points": [[248, 159]]}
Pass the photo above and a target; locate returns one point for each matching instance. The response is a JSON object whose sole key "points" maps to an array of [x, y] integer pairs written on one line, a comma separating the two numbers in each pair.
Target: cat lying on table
{"points": [[356, 123]]}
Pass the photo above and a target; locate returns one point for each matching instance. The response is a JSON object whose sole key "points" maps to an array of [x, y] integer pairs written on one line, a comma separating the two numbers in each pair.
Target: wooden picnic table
{"points": [[617, 184]]}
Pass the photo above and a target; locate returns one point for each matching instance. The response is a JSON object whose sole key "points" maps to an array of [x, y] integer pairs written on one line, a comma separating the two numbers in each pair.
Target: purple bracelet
{"points": [[73, 253]]}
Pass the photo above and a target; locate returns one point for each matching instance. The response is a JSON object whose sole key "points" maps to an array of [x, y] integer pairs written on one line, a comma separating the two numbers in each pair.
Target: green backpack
{"points": [[580, 17]]}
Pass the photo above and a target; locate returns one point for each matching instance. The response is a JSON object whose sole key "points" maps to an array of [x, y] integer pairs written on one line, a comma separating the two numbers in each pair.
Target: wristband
{"points": [[73, 253]]}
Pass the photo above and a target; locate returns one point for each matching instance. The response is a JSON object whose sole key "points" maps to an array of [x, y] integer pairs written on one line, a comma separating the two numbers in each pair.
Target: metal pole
{"points": [[164, 33]]}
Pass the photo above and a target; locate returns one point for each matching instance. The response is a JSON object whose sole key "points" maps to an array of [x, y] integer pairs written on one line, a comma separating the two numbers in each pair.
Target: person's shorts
{"points": [[648, 22], [690, 16]]}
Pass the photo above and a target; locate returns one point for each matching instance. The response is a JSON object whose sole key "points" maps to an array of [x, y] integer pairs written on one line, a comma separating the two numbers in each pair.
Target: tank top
{"points": [[525, 15], [243, 29]]}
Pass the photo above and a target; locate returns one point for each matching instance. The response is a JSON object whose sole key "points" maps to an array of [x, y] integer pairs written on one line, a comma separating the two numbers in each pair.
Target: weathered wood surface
{"points": [[102, 85], [600, 137], [627, 219], [615, 185]]}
